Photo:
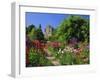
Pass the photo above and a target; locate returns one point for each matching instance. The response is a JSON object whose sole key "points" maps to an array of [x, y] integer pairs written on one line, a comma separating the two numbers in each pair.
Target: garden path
{"points": [[50, 57]]}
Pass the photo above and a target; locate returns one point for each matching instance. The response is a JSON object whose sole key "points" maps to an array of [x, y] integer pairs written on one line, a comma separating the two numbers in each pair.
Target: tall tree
{"points": [[39, 33], [74, 26], [31, 32]]}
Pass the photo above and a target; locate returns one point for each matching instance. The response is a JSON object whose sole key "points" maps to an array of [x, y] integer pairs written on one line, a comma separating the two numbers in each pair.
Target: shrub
{"points": [[38, 59], [33, 58], [66, 59], [44, 62]]}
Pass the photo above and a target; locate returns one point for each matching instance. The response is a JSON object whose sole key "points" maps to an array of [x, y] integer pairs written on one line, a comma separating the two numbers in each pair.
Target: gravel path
{"points": [[50, 57]]}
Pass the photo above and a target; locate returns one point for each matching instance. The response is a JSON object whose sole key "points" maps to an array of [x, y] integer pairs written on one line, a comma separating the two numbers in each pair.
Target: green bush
{"points": [[44, 62], [66, 59], [54, 52], [38, 59], [33, 58]]}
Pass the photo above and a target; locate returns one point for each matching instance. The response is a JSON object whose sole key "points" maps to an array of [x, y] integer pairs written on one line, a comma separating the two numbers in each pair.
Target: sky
{"points": [[46, 19]]}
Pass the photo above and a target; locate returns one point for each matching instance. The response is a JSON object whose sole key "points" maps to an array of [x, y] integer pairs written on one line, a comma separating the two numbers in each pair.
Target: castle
{"points": [[48, 31]]}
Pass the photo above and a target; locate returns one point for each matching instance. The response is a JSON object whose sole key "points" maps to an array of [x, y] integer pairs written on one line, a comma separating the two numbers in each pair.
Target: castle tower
{"points": [[48, 31]]}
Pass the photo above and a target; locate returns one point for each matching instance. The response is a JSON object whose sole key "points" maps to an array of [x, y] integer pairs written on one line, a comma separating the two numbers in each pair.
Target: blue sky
{"points": [[46, 19]]}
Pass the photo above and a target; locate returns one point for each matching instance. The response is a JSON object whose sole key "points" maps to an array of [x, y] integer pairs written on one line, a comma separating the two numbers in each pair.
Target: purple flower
{"points": [[73, 41]]}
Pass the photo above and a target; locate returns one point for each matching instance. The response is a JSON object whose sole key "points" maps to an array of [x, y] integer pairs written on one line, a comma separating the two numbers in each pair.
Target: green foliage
{"points": [[29, 28], [70, 58], [39, 33], [38, 59], [66, 59], [34, 33], [33, 57], [31, 32], [74, 26], [44, 62]]}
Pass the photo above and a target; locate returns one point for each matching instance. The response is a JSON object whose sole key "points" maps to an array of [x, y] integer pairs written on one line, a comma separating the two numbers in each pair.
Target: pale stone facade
{"points": [[48, 31]]}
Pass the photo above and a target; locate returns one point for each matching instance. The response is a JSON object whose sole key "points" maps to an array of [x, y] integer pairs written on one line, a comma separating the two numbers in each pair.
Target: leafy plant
{"points": [[38, 59], [33, 57], [74, 26], [66, 59]]}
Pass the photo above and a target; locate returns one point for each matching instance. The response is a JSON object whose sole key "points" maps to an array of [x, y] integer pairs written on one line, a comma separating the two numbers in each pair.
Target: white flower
{"points": [[62, 51], [65, 50], [75, 51]]}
